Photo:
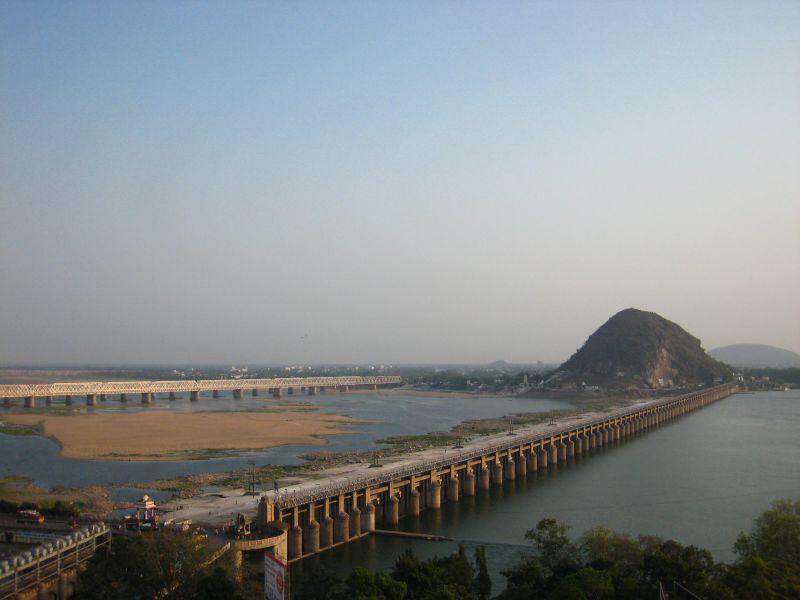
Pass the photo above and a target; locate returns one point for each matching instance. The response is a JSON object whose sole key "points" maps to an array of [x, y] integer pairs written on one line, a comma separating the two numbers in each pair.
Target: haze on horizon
{"points": [[372, 182]]}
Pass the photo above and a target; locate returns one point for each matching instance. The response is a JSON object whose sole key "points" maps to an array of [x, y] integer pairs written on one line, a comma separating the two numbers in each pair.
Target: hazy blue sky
{"points": [[399, 182]]}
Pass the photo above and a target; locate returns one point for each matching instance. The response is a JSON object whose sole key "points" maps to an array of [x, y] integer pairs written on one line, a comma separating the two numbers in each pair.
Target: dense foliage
{"points": [[59, 508], [449, 578], [168, 566], [603, 565]]}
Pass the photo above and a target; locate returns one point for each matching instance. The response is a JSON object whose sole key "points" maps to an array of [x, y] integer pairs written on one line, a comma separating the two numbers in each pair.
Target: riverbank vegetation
{"points": [[93, 501]]}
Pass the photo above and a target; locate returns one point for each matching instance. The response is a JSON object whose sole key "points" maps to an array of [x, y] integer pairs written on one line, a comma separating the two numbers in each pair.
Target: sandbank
{"points": [[179, 435]]}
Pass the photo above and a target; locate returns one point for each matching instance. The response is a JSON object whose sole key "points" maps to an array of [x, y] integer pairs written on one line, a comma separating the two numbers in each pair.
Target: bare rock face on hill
{"points": [[635, 347]]}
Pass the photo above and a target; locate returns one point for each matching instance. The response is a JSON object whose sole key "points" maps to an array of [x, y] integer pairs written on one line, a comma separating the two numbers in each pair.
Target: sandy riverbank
{"points": [[159, 436]]}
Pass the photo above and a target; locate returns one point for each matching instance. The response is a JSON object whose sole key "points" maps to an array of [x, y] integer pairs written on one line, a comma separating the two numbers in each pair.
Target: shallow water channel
{"points": [[378, 416]]}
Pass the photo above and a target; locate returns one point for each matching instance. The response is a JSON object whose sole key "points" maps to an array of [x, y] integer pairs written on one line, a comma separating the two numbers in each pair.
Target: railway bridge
{"points": [[93, 391], [324, 517]]}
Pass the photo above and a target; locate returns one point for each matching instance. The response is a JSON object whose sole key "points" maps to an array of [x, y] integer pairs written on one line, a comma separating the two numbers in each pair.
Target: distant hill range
{"points": [[756, 355], [641, 349]]}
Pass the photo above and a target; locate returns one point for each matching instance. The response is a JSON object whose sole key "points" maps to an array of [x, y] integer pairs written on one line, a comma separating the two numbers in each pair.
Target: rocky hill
{"points": [[641, 348], [756, 355]]}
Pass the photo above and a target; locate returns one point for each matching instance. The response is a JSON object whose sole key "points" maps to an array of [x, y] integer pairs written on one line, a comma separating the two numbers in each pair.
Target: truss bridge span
{"points": [[94, 390]]}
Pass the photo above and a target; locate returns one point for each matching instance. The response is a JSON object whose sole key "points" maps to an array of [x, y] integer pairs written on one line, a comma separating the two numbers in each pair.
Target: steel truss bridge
{"points": [[92, 388]]}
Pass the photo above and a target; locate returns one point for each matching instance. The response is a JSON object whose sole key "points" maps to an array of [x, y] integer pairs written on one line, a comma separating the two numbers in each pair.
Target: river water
{"points": [[378, 416], [699, 480]]}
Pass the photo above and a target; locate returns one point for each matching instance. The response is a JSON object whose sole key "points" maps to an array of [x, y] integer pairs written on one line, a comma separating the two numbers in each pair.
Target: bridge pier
{"points": [[215, 393], [510, 470], [123, 397], [344, 388], [68, 400], [91, 400], [326, 531], [147, 397], [172, 396], [570, 448], [237, 394], [497, 472], [30, 402], [542, 454], [469, 482], [562, 452], [368, 517], [435, 500], [276, 393], [290, 391], [343, 527], [295, 539], [6, 401], [312, 391], [533, 461], [355, 521], [311, 537], [48, 400], [194, 396], [452, 489], [483, 478], [522, 466], [413, 502], [254, 393]]}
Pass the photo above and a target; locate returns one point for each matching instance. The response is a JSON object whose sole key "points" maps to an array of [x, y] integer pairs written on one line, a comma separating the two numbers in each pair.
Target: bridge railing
{"points": [[287, 500], [27, 570]]}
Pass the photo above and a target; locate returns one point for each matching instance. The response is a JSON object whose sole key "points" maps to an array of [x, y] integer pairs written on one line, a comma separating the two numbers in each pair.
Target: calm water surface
{"points": [[699, 480]]}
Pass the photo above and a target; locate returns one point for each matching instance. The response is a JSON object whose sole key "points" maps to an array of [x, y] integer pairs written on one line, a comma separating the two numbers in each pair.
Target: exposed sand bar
{"points": [[149, 436]]}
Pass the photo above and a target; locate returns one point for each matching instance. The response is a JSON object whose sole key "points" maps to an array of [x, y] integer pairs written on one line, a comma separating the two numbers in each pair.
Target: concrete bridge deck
{"points": [[93, 390], [320, 516]]}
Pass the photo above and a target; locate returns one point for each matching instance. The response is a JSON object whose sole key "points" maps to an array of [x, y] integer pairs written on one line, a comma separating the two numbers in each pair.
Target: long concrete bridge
{"points": [[317, 518], [101, 390]]}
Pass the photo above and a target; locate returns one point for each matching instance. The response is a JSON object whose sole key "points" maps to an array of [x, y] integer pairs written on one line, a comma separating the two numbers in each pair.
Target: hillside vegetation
{"points": [[635, 347]]}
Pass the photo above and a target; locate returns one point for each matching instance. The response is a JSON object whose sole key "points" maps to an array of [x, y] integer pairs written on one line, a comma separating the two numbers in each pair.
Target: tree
{"points": [[775, 535], [363, 585], [556, 550], [585, 584], [217, 583], [483, 583], [672, 562], [164, 565], [320, 583]]}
